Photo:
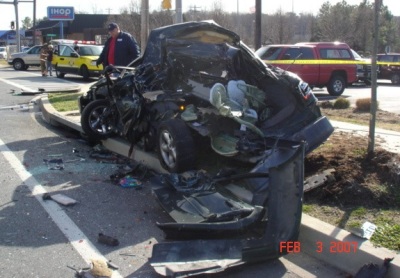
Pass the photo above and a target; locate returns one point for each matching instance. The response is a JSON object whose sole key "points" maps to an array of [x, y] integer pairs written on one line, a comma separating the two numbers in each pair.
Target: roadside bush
{"points": [[341, 103], [326, 104], [364, 104]]}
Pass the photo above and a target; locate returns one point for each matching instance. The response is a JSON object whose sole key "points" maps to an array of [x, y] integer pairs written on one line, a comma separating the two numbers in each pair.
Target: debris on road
{"points": [[102, 155], [130, 182], [54, 164], [23, 107], [100, 269], [129, 176], [327, 176], [107, 240], [97, 268], [373, 270], [365, 231], [75, 160], [60, 198]]}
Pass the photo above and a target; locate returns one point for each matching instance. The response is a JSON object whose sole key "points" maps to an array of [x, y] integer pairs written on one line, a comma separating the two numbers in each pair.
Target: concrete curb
{"points": [[314, 233]]}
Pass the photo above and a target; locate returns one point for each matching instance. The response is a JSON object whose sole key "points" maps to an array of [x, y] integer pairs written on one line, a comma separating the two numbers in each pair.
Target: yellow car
{"points": [[78, 59]]}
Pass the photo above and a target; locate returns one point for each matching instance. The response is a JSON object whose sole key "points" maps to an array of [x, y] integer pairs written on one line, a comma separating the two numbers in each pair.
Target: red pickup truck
{"points": [[320, 64]]}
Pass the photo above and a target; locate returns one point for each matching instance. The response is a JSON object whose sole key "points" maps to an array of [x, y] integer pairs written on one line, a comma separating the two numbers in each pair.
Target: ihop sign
{"points": [[60, 13]]}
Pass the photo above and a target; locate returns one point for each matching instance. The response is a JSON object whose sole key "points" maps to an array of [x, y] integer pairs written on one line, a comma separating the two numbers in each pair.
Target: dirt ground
{"points": [[366, 188]]}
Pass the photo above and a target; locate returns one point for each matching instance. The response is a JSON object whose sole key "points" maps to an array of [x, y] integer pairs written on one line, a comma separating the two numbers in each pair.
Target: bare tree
{"points": [[161, 18], [129, 19], [342, 22]]}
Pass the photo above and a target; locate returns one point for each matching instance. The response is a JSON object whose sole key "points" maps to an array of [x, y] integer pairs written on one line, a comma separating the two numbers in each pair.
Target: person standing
{"points": [[49, 59], [43, 59], [120, 48]]}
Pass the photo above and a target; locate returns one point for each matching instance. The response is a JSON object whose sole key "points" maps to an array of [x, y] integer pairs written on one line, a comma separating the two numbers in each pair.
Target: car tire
{"points": [[395, 79], [85, 73], [336, 85], [94, 123], [18, 64], [58, 73], [176, 148]]}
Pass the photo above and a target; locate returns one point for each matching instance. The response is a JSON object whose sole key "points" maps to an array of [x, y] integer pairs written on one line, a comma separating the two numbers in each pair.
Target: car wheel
{"points": [[336, 85], [395, 79], [19, 64], [98, 121], [176, 147], [58, 73], [85, 72]]}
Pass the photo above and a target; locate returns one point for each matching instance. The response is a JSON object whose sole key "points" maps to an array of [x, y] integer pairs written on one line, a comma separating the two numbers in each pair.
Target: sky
{"points": [[25, 9]]}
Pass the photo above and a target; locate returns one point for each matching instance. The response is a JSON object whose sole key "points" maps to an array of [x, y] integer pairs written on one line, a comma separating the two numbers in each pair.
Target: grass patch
{"points": [[387, 235], [64, 102], [389, 126], [307, 208], [359, 212], [354, 224]]}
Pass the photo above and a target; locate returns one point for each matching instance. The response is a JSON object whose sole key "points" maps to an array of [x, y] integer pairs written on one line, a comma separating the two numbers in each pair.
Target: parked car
{"points": [[79, 59], [23, 60], [389, 67], [3, 52], [320, 64], [25, 48]]}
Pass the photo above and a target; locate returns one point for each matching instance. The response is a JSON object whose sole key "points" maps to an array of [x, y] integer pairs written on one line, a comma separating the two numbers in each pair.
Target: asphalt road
{"points": [[39, 238]]}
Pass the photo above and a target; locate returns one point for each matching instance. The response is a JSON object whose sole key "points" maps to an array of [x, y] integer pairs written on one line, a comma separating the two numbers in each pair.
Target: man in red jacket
{"points": [[120, 49]]}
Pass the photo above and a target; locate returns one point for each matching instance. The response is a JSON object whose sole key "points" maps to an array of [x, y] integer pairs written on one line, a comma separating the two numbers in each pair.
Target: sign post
{"points": [[61, 14]]}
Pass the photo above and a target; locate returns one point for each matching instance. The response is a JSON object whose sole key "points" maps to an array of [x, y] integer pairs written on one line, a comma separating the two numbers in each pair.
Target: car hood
{"points": [[19, 54], [90, 57]]}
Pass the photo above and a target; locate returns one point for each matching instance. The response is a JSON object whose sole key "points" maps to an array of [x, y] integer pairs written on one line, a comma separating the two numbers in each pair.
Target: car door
{"points": [[63, 60], [32, 56]]}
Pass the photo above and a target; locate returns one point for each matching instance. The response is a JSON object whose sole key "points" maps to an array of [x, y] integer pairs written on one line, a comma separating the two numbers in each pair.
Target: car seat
{"points": [[232, 104]]}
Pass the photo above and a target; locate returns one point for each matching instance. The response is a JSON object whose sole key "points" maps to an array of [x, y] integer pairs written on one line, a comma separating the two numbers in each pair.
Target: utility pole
{"points": [[237, 17], [257, 29], [18, 38], [372, 120], [144, 18], [178, 11], [34, 22], [17, 34]]}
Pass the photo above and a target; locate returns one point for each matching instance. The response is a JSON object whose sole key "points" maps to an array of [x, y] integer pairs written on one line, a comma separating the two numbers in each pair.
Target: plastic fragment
{"points": [[130, 182]]}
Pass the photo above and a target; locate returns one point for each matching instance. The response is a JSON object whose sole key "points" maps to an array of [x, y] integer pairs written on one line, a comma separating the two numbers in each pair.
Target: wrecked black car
{"points": [[198, 79]]}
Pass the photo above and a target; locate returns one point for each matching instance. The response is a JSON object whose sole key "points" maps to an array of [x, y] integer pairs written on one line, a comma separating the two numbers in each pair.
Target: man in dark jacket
{"points": [[120, 49]]}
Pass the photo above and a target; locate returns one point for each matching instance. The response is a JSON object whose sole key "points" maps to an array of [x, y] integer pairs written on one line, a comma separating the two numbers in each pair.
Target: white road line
{"points": [[26, 89], [77, 238]]}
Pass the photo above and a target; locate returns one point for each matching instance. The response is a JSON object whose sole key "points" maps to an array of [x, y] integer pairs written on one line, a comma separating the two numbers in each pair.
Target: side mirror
{"points": [[74, 54]]}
